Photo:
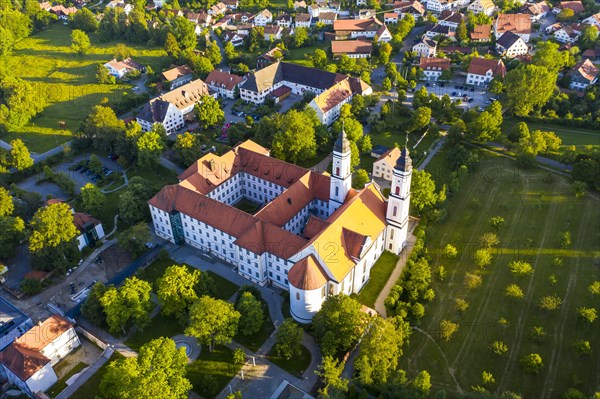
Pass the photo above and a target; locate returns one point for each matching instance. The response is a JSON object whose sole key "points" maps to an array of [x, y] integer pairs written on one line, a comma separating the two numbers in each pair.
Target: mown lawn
{"points": [[212, 371], [576, 136], [62, 383], [47, 62], [296, 365], [160, 326], [536, 206], [296, 55], [380, 273], [91, 388]]}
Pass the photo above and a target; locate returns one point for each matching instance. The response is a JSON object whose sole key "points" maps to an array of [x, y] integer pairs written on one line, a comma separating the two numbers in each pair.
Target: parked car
{"points": [[426, 84], [453, 93], [471, 99]]}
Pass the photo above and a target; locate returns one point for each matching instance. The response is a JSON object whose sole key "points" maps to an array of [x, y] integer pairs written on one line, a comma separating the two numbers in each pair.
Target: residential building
{"points": [[273, 32], [284, 20], [218, 9], [121, 68], [592, 54], [425, 47], [268, 58], [433, 67], [328, 104], [519, 24], [576, 6], [450, 19], [231, 4], [361, 3], [173, 108], [90, 230], [263, 18], [361, 28], [13, 323], [298, 78], [177, 76], [304, 214], [537, 11], [440, 5], [126, 7], [235, 38], [584, 74], [441, 30], [511, 45], [481, 33], [27, 362], [482, 71], [352, 48], [593, 20], [383, 168], [303, 20], [569, 33], [61, 11], [486, 7], [300, 5], [328, 17], [390, 18], [413, 8], [223, 83]]}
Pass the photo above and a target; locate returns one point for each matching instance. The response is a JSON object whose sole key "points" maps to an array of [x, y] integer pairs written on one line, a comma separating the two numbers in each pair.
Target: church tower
{"points": [[341, 173], [399, 204]]}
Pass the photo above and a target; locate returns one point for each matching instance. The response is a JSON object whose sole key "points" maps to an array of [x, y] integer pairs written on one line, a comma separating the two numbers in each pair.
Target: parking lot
{"points": [[479, 95]]}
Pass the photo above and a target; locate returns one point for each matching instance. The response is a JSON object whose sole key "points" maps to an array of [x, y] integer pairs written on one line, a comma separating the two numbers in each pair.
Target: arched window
{"points": [[337, 171], [397, 190], [395, 212]]}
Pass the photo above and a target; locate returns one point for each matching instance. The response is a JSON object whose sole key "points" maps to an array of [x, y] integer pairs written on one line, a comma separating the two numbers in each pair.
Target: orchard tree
{"points": [[19, 154], [520, 268], [339, 324], [482, 258], [489, 240], [497, 222], [514, 291], [129, 304], [159, 370], [51, 226], [212, 321], [594, 288], [288, 339], [208, 112], [550, 302], [252, 315], [450, 252], [587, 315], [80, 42], [422, 383], [448, 329], [499, 348], [176, 290], [518, 82], [92, 198], [532, 363]]}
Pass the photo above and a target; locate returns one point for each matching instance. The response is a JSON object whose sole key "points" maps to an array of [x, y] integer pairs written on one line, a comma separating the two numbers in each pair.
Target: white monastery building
{"points": [[313, 235]]}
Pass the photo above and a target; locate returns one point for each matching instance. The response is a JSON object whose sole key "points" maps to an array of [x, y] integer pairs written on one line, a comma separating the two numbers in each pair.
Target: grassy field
{"points": [[91, 387], [296, 365], [578, 137], [296, 55], [212, 371], [62, 383], [47, 62], [160, 326], [537, 207], [379, 276]]}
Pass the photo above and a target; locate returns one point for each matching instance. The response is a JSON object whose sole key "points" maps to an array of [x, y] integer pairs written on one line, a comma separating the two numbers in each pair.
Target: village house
{"points": [[537, 11], [263, 18], [582, 75], [511, 45], [173, 108], [413, 8], [126, 7], [231, 4], [299, 5], [569, 33], [218, 9], [177, 76], [481, 33], [519, 24], [576, 6], [486, 7], [284, 20], [383, 167], [425, 47], [328, 104], [234, 37], [90, 230], [269, 57], [438, 6], [273, 32], [223, 83], [328, 17], [433, 67], [441, 30], [357, 29], [59, 10], [303, 20], [390, 18], [593, 20], [352, 48], [450, 19], [121, 68], [303, 214], [482, 71]]}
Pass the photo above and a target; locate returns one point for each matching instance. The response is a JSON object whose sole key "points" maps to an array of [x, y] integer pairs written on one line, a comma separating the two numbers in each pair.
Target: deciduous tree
{"points": [[130, 304], [85, 20], [296, 140], [149, 148], [422, 190], [288, 338], [92, 198], [330, 371], [21, 159], [134, 239], [338, 324], [519, 97], [448, 329], [92, 308], [80, 42], [532, 363], [252, 315], [213, 321], [132, 201], [208, 112], [176, 290], [51, 226]]}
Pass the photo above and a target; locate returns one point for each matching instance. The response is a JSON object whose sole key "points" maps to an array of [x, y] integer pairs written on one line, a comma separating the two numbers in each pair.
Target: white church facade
{"points": [[313, 235]]}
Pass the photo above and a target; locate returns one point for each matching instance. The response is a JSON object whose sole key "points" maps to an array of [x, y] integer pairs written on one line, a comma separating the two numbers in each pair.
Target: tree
{"points": [[386, 84], [482, 258], [92, 198], [514, 291], [486, 125], [319, 59], [213, 321], [497, 222], [213, 52], [587, 315], [360, 178], [187, 147], [330, 371], [92, 307], [288, 338], [101, 128], [51, 226], [21, 101], [132, 202], [565, 15], [300, 36], [380, 349], [520, 268], [159, 369], [422, 190], [257, 35], [134, 239], [208, 112], [296, 140], [171, 45], [385, 50], [489, 240], [19, 154], [201, 65], [85, 20], [532, 363], [338, 324], [549, 302], [12, 231], [103, 76], [422, 383], [95, 165], [461, 305], [565, 239], [594, 288], [131, 303], [450, 252], [473, 280], [461, 31], [448, 329], [230, 52], [121, 52], [419, 119], [252, 315], [149, 147], [519, 80], [583, 348], [176, 290], [7, 206], [499, 348], [588, 37], [80, 42]]}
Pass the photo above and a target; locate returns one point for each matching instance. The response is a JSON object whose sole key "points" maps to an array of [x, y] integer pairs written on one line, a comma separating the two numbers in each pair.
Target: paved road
{"points": [[170, 165], [223, 64]]}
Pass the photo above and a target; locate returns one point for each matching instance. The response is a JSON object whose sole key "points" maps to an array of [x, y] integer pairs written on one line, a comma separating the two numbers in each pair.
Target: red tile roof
{"points": [[516, 23], [44, 333], [351, 47], [23, 362], [223, 79], [307, 274], [434, 63], [480, 66]]}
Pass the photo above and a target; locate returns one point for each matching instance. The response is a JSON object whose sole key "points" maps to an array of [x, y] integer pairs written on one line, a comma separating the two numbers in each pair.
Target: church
{"points": [[313, 234]]}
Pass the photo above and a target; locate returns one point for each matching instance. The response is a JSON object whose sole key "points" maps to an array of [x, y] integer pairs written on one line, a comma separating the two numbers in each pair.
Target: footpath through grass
{"points": [[47, 62], [537, 207], [380, 273]]}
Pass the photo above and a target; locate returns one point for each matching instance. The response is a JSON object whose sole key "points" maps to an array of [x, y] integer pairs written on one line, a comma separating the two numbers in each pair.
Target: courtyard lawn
{"points": [[296, 365], [62, 383], [160, 326], [212, 371], [380, 273], [537, 206], [48, 63], [91, 388], [296, 55], [254, 342], [247, 206]]}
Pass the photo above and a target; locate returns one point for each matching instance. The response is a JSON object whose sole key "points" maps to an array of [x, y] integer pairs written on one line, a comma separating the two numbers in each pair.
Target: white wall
{"points": [[61, 346]]}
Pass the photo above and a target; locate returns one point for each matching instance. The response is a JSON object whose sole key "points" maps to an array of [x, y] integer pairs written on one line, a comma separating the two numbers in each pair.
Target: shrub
{"points": [[473, 280], [587, 315], [583, 347], [448, 329], [538, 334], [520, 268], [565, 239], [31, 286], [594, 288], [497, 222], [514, 291], [450, 252], [499, 348], [461, 305], [549, 302], [532, 363]]}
